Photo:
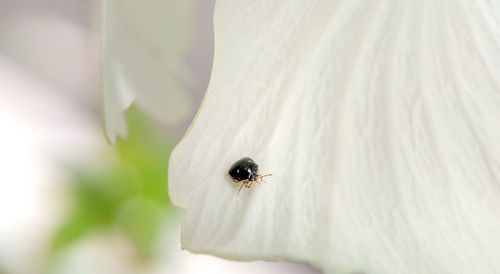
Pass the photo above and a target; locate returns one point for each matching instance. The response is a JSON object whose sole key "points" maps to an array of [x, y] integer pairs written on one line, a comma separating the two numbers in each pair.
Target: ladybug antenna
{"points": [[262, 176]]}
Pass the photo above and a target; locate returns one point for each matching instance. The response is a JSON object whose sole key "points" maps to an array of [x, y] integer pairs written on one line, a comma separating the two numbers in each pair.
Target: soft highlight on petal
{"points": [[379, 121], [143, 46]]}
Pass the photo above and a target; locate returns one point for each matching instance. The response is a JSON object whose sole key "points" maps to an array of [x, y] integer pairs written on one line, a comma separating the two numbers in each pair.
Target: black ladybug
{"points": [[245, 171]]}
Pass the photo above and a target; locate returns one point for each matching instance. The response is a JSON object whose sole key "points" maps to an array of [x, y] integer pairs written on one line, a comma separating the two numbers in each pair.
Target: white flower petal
{"points": [[379, 121], [143, 43]]}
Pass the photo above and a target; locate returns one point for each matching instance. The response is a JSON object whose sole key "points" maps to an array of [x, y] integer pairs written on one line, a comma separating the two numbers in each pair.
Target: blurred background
{"points": [[70, 202]]}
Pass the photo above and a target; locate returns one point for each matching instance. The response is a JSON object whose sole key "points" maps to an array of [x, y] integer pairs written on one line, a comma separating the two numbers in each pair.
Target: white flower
{"points": [[379, 121], [143, 43]]}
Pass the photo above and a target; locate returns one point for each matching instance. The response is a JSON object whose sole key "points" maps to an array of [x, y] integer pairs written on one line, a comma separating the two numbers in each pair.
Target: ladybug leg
{"points": [[242, 184]]}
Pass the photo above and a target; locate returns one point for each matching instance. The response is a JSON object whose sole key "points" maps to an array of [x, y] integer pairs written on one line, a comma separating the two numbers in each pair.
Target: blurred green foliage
{"points": [[128, 195]]}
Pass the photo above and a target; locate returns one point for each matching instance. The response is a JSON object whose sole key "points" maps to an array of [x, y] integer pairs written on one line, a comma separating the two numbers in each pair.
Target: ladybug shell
{"points": [[244, 169]]}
